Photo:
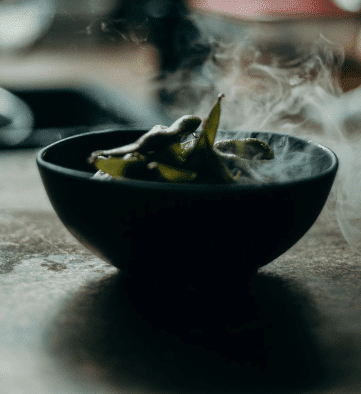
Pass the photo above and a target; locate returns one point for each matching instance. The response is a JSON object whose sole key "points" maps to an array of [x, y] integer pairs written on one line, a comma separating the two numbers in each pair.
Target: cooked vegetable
{"points": [[162, 155], [172, 174], [157, 138]]}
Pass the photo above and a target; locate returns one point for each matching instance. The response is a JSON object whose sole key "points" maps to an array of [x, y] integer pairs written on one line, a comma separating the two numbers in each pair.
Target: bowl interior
{"points": [[296, 159]]}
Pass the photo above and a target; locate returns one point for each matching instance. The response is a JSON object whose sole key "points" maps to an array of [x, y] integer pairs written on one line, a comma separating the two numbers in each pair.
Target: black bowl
{"points": [[184, 230]]}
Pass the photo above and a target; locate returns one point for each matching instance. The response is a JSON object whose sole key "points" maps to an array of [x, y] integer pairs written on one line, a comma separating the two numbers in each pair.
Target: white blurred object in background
{"points": [[22, 22], [16, 119], [349, 5]]}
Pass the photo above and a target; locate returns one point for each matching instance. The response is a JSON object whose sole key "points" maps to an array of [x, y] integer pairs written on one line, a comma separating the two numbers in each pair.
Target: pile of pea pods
{"points": [[170, 154]]}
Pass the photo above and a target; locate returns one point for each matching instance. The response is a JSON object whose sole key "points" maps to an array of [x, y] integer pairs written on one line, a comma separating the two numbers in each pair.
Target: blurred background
{"points": [[71, 67]]}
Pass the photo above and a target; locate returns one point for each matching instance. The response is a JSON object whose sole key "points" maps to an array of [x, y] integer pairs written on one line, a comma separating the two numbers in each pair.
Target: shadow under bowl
{"points": [[188, 231]]}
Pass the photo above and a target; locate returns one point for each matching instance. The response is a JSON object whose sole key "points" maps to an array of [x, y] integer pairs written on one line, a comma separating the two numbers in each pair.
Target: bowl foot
{"points": [[187, 307]]}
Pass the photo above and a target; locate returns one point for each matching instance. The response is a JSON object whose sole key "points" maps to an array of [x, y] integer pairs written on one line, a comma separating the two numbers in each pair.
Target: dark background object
{"points": [[163, 23], [63, 112], [170, 30], [63, 108]]}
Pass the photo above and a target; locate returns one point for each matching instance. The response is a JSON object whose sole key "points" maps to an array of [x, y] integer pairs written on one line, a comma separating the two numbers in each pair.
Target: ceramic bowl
{"points": [[198, 231]]}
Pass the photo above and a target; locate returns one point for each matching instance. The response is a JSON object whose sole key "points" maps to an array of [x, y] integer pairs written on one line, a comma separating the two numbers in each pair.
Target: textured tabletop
{"points": [[70, 323]]}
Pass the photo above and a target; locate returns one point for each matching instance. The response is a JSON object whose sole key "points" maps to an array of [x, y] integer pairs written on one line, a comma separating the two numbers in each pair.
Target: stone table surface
{"points": [[68, 323]]}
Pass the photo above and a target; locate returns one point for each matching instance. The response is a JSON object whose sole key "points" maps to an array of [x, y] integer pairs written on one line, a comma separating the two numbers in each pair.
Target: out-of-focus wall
{"points": [[86, 7]]}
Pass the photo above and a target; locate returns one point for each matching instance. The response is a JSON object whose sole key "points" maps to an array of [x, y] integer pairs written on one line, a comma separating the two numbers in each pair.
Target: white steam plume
{"points": [[284, 87]]}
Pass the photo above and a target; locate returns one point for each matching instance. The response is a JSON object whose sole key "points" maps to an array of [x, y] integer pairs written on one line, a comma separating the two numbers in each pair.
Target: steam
{"points": [[262, 92], [284, 86], [293, 159], [117, 30], [342, 133]]}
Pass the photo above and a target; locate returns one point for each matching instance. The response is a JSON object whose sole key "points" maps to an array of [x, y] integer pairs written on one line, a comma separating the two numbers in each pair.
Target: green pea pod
{"points": [[118, 166], [158, 138], [173, 174], [246, 154], [180, 150], [218, 169], [206, 138], [200, 156], [176, 151], [246, 148], [175, 154], [211, 123], [112, 166]]}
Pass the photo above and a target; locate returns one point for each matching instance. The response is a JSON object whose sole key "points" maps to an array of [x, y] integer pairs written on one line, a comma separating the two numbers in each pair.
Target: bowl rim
{"points": [[87, 176]]}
